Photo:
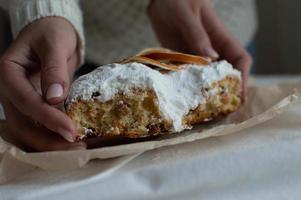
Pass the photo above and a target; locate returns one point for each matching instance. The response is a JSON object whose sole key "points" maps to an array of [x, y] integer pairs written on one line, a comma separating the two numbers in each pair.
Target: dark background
{"points": [[278, 39]]}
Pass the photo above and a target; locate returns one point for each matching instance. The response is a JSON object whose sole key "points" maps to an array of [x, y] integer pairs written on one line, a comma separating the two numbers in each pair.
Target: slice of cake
{"points": [[133, 99]]}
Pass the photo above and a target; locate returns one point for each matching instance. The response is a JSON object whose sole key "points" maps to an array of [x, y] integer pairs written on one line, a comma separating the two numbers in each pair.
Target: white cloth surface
{"points": [[261, 162]]}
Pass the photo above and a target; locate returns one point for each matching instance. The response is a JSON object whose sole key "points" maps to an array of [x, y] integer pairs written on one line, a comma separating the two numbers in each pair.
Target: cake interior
{"points": [[135, 114], [226, 100]]}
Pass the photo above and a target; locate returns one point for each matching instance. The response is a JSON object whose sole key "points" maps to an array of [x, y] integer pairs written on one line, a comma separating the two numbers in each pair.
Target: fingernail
{"points": [[210, 52], [54, 91], [66, 134]]}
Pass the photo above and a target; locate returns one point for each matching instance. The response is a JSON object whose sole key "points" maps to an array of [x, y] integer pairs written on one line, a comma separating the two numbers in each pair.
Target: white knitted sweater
{"points": [[119, 28]]}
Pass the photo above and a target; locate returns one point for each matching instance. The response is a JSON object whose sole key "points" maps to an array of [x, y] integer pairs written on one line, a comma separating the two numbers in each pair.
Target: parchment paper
{"points": [[263, 103]]}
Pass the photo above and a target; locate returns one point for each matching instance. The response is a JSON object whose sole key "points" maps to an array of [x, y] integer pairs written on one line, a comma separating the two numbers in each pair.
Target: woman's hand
{"points": [[35, 74], [192, 26]]}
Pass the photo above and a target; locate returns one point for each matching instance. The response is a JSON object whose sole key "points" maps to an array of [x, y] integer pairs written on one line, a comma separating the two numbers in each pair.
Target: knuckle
{"points": [[24, 100], [200, 38], [54, 72], [51, 67], [55, 66], [6, 77], [54, 75]]}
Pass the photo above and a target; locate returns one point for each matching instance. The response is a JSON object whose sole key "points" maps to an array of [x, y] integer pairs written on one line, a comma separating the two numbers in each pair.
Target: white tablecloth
{"points": [[262, 162]]}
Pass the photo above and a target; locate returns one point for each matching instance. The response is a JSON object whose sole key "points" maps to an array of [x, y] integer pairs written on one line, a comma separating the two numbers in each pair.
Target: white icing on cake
{"points": [[178, 92]]}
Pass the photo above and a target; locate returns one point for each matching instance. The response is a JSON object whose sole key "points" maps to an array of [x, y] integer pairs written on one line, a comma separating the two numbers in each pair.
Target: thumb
{"points": [[197, 39], [55, 78]]}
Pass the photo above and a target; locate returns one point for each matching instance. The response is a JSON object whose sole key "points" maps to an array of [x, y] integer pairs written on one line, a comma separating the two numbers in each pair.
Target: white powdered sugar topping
{"points": [[178, 92]]}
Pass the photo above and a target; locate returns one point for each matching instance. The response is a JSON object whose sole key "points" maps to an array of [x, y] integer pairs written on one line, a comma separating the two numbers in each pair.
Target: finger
{"points": [[41, 139], [55, 76], [197, 38], [26, 99], [228, 47], [242, 65], [72, 63], [25, 134]]}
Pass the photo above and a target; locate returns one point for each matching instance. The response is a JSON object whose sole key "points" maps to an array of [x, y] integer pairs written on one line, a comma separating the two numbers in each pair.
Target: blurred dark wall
{"points": [[278, 42]]}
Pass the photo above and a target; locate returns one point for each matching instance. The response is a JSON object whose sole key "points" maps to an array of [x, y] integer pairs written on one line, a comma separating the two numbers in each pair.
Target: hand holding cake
{"points": [[192, 26], [38, 66], [36, 71]]}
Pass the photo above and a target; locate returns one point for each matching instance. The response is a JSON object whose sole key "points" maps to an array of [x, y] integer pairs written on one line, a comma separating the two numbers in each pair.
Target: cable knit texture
{"points": [[119, 28], [24, 12]]}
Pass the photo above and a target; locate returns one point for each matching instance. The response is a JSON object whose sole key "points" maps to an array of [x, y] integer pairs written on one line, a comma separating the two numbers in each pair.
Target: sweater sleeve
{"points": [[24, 12]]}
